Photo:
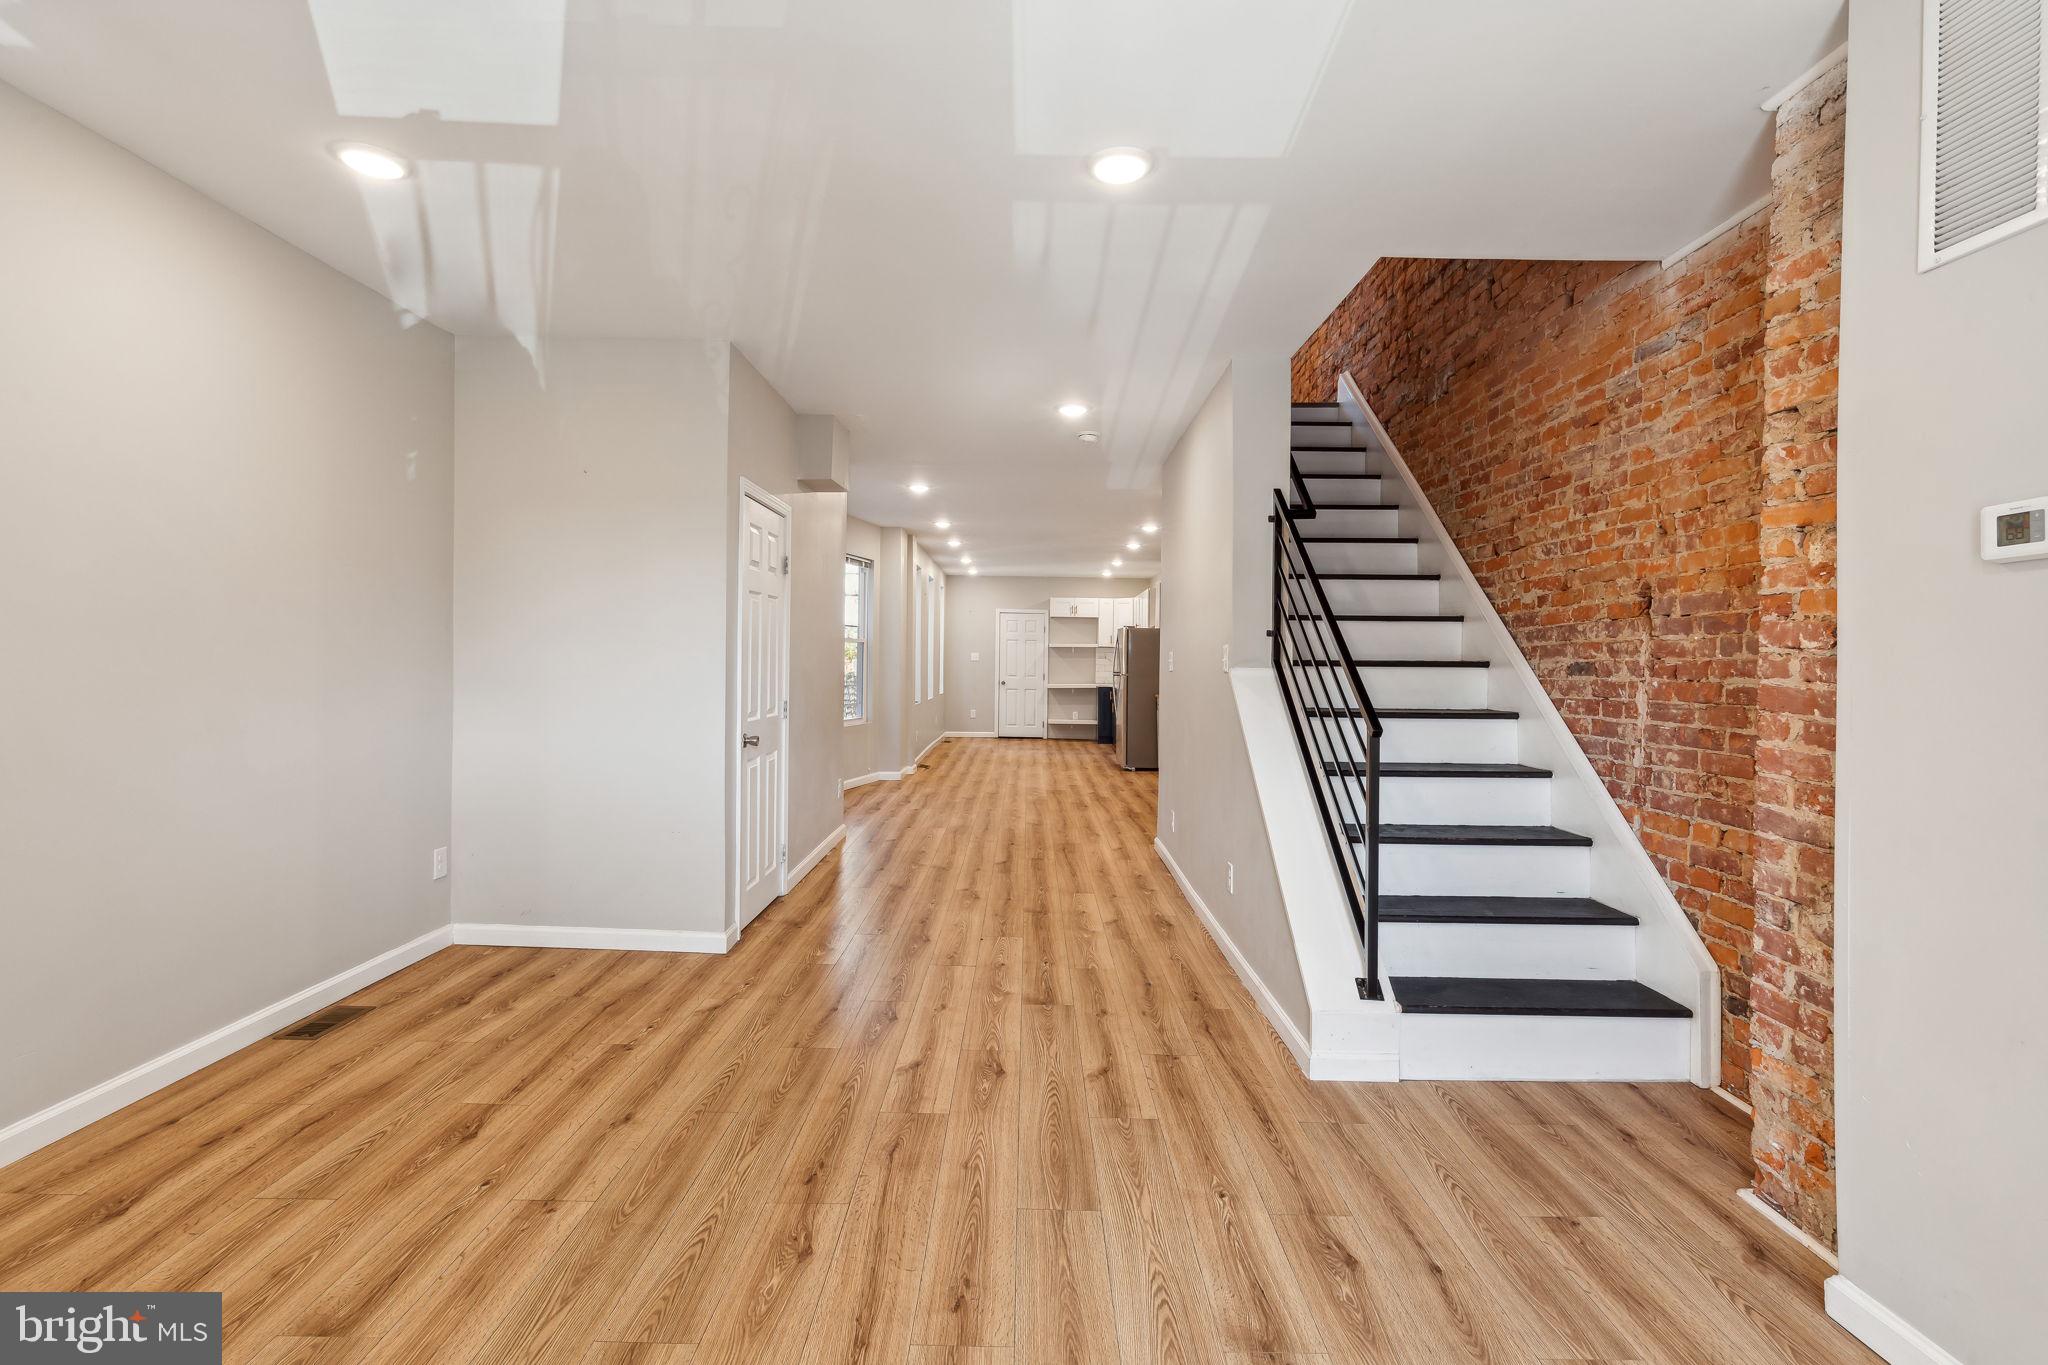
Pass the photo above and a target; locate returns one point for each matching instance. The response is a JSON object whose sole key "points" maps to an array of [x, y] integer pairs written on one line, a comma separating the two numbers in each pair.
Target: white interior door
{"points": [[764, 649], [1020, 673]]}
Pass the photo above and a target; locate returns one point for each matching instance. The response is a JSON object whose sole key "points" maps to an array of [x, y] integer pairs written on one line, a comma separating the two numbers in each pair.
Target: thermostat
{"points": [[2016, 530]]}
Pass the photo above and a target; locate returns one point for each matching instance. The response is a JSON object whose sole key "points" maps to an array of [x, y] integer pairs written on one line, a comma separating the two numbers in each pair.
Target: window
{"points": [[931, 635], [859, 614]]}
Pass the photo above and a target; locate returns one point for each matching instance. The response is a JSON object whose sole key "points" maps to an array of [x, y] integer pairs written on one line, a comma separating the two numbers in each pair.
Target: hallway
{"points": [[982, 1081]]}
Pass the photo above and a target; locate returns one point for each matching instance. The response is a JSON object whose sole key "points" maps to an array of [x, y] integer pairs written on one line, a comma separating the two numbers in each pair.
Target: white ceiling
{"points": [[884, 203]]}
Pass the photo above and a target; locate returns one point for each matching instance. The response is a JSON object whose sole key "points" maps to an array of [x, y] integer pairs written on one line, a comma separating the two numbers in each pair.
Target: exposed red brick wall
{"points": [[1792, 992], [1638, 463], [1591, 436]]}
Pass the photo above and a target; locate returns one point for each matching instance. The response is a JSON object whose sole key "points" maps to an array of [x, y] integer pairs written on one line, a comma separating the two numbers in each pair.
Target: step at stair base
{"points": [[1412, 949]]}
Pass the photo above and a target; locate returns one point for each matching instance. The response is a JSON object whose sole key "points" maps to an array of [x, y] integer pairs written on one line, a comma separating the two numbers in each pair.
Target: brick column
{"points": [[1792, 986]]}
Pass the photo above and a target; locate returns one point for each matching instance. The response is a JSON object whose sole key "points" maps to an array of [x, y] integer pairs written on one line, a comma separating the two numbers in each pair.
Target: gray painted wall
{"points": [[1942, 865], [224, 573], [1209, 813], [591, 570]]}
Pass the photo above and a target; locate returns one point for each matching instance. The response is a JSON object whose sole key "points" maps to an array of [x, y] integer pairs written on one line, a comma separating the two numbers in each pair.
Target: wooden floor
{"points": [[980, 1090]]}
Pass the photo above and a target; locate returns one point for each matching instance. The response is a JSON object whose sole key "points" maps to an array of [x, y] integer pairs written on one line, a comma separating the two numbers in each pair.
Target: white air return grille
{"points": [[1983, 165]]}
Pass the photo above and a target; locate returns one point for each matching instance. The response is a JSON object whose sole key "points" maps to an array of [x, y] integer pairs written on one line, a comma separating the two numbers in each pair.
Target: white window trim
{"points": [[866, 637]]}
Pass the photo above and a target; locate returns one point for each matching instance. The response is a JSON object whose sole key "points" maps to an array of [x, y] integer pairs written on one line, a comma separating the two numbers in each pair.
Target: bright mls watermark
{"points": [[172, 1329]]}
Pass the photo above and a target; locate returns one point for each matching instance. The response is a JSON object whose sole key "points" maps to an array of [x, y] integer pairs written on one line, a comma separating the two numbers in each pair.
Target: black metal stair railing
{"points": [[1335, 724]]}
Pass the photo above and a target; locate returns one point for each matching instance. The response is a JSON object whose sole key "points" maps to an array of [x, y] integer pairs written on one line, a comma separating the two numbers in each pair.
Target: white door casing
{"points": [[1020, 673], [761, 814]]}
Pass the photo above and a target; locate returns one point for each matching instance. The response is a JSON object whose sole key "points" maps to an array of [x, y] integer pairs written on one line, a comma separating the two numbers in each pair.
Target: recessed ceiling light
{"points": [[966, 559], [953, 543], [943, 524], [972, 572], [1130, 545], [371, 163], [1116, 563], [918, 490], [1089, 438], [1105, 573], [1073, 411], [1120, 165], [1150, 528]]}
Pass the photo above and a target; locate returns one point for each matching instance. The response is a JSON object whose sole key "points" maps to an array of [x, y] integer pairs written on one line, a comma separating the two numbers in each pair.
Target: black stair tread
{"points": [[1392, 663], [1499, 910], [1533, 995], [1349, 769], [1421, 712], [1361, 540], [1319, 422], [1358, 506], [1375, 577], [1307, 474], [1368, 616], [1486, 836]]}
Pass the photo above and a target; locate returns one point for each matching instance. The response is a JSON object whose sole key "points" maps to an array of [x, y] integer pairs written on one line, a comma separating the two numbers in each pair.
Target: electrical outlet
{"points": [[1226, 658], [1230, 878], [973, 714], [1169, 661], [440, 863], [974, 656], [1173, 822]]}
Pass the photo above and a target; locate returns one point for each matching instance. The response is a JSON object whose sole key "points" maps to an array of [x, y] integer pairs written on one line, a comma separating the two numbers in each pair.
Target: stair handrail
{"points": [[1303, 684]]}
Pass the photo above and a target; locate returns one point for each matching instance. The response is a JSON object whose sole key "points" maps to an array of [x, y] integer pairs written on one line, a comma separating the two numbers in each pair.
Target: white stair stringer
{"points": [[1512, 721]]}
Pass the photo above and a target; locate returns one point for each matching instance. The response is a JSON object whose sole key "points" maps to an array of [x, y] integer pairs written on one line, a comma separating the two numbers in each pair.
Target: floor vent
{"points": [[313, 1025]]}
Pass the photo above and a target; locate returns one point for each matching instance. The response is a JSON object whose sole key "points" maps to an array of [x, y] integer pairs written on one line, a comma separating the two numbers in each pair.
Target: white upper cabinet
{"points": [[1074, 606]]}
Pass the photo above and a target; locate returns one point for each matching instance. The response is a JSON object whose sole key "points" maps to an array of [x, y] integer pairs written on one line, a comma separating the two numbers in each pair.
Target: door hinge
{"points": [[785, 708], [785, 566], [785, 854]]}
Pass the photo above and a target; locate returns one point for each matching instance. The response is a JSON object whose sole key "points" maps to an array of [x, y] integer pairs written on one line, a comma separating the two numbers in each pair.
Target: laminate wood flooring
{"points": [[980, 1091]]}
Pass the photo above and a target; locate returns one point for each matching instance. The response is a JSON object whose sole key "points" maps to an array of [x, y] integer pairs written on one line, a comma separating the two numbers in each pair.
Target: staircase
{"points": [[1475, 908]]}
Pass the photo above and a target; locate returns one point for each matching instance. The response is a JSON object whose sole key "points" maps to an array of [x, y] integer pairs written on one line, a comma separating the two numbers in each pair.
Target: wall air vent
{"points": [[1983, 162]]}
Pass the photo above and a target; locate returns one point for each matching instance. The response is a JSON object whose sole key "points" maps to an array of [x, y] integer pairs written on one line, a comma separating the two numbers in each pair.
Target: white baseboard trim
{"points": [[1723, 1093], [1879, 1328], [792, 875], [968, 734], [1785, 1225], [40, 1129], [1268, 1006], [936, 742], [578, 936], [848, 784]]}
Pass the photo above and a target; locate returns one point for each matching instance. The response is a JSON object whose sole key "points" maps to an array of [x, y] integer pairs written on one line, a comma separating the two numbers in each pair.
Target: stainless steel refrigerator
{"points": [[1136, 679]]}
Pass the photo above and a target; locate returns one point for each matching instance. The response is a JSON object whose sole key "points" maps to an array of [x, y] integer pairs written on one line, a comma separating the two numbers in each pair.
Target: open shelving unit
{"points": [[1080, 642]]}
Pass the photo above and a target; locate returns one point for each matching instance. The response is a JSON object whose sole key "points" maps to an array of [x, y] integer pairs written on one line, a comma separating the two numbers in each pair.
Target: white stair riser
{"points": [[1449, 741], [1455, 687], [1354, 521], [1377, 596], [1342, 460], [1434, 741], [1404, 639], [1321, 435], [1394, 686], [1352, 558], [1585, 952], [1523, 1047], [1307, 410], [1483, 870], [1321, 491], [1462, 800]]}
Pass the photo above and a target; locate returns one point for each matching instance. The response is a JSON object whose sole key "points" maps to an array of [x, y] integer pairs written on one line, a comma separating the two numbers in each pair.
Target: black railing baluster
{"points": [[1308, 647]]}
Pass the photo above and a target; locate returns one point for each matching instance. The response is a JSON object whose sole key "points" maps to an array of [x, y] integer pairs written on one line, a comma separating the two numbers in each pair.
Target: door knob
{"points": [[749, 741]]}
